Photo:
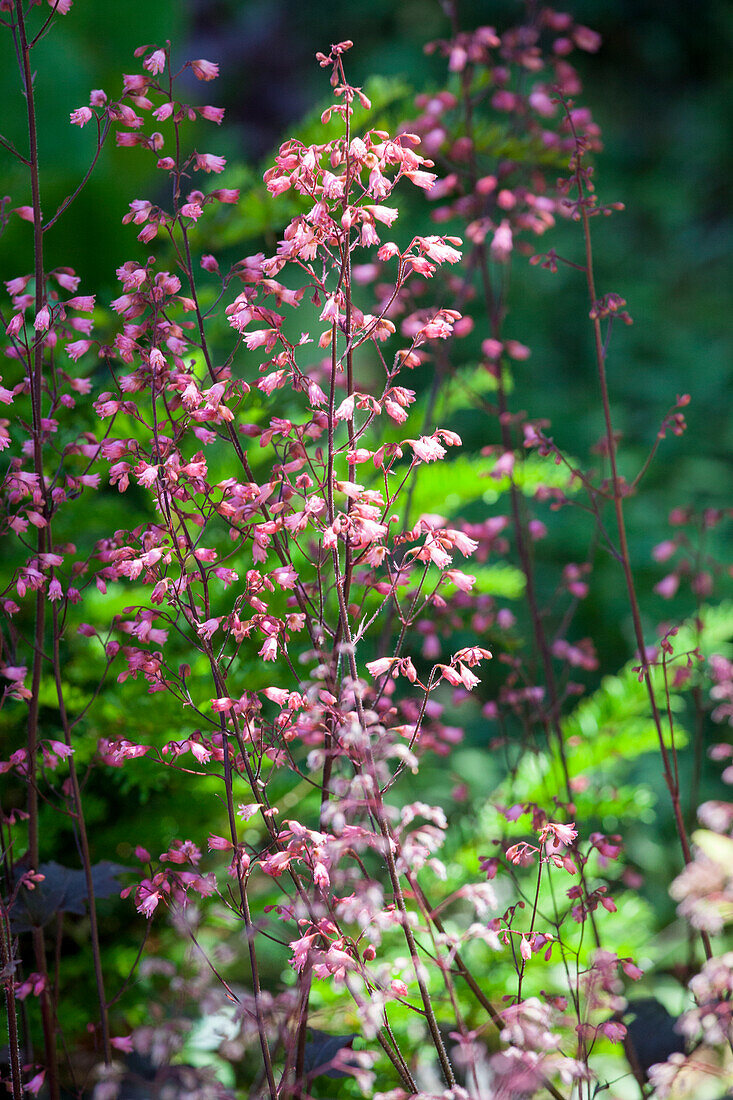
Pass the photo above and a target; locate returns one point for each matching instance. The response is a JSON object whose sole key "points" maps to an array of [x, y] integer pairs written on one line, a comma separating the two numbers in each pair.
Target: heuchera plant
{"points": [[278, 568]]}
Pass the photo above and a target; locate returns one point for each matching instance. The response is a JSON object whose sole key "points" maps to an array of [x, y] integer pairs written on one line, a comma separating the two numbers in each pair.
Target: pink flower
{"points": [[259, 337], [205, 70], [182, 851], [502, 243], [381, 665], [146, 475], [276, 863], [503, 466], [614, 1030], [268, 652], [330, 311], [155, 62], [468, 678], [199, 752], [345, 411], [277, 185], [559, 834], [77, 348], [126, 139], [421, 179], [123, 1043], [320, 875], [18, 284], [208, 162], [35, 1084], [663, 551], [384, 214], [213, 114], [702, 584], [521, 854], [139, 212], [24, 212], [438, 250], [285, 576], [514, 812], [301, 949], [135, 83], [226, 194], [160, 114], [427, 448], [515, 350], [35, 983], [157, 359], [586, 39], [440, 327], [42, 319], [80, 116], [504, 100], [219, 844], [667, 587], [84, 303], [462, 581], [387, 251], [458, 59], [147, 898], [398, 987], [631, 969], [541, 102], [248, 811]]}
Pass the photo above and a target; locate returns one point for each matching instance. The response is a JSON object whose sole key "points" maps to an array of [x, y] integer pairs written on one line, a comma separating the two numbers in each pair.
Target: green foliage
{"points": [[449, 487], [612, 728]]}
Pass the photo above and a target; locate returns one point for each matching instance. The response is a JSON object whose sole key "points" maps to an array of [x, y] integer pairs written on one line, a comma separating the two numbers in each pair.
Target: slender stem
{"points": [[299, 1091], [583, 202], [83, 842], [249, 928], [36, 375], [8, 967], [36, 372], [495, 312], [388, 1043], [531, 924], [101, 137], [390, 845], [48, 1022]]}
